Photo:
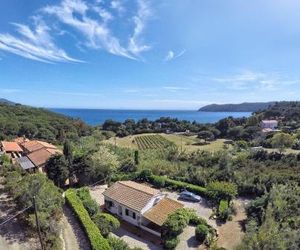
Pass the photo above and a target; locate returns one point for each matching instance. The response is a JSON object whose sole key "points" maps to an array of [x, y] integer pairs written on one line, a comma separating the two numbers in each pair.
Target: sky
{"points": [[148, 54]]}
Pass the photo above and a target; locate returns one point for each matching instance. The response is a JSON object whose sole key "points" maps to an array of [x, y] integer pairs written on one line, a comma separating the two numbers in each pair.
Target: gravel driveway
{"points": [[202, 208]]}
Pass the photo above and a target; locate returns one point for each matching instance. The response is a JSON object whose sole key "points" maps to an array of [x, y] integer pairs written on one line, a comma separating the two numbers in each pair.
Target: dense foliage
{"points": [[23, 187], [274, 220], [19, 120]]}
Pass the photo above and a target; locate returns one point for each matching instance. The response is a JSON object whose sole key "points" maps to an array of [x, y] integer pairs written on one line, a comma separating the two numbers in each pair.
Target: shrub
{"points": [[219, 190], [92, 231], [196, 220], [145, 175], [201, 232], [158, 181], [117, 244], [89, 204], [171, 243], [106, 223], [223, 210], [177, 185]]}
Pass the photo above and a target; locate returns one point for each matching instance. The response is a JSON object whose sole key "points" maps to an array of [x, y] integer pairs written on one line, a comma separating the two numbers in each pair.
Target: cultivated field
{"points": [[144, 142], [187, 143]]}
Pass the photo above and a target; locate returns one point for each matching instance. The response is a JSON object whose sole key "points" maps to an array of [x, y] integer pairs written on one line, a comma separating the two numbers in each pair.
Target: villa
{"points": [[268, 125], [29, 155], [140, 205]]}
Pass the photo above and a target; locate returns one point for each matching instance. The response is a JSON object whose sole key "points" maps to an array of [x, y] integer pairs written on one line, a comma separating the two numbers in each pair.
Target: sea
{"points": [[99, 116]]}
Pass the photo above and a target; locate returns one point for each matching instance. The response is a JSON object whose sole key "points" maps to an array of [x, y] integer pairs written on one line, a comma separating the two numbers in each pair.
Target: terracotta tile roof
{"points": [[46, 144], [39, 157], [160, 212], [20, 140], [32, 146], [11, 146], [131, 194]]}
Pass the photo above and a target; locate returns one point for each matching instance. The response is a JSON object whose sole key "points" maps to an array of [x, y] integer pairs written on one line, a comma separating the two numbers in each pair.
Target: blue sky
{"points": [[148, 54]]}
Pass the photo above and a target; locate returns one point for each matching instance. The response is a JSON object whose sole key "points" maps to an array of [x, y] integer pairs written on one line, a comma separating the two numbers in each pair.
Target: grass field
{"points": [[188, 143]]}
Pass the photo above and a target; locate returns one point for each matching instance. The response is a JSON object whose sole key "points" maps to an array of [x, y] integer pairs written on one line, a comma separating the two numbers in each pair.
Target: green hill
{"points": [[20, 120], [242, 107]]}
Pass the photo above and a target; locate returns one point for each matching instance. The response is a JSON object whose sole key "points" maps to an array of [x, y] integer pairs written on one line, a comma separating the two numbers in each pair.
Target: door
{"points": [[120, 210]]}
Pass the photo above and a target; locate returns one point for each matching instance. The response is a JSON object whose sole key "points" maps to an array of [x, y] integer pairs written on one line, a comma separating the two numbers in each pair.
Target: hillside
{"points": [[5, 101], [242, 107], [19, 120]]}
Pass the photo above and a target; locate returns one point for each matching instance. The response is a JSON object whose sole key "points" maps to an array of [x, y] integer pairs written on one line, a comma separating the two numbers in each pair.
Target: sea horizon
{"points": [[99, 116]]}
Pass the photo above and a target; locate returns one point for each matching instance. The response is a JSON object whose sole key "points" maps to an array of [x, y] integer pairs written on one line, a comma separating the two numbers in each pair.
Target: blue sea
{"points": [[98, 116]]}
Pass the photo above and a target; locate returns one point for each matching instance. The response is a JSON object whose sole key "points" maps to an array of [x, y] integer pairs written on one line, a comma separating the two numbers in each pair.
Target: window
{"points": [[109, 204], [133, 215], [127, 212]]}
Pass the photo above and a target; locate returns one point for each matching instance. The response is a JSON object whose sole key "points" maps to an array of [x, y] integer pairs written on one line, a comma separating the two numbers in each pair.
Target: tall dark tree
{"points": [[136, 157], [57, 169], [68, 152]]}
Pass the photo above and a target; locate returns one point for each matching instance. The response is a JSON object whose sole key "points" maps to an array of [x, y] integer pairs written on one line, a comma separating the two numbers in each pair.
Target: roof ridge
{"points": [[122, 183]]}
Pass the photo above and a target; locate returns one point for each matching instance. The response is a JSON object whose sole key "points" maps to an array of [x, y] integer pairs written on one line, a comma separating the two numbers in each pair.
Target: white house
{"points": [[269, 125], [139, 205]]}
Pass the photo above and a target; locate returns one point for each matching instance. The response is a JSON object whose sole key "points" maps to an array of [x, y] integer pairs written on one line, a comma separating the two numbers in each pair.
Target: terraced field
{"points": [[152, 142]]}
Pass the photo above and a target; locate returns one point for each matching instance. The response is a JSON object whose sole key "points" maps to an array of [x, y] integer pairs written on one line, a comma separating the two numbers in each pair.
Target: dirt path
{"points": [[12, 234], [231, 233], [72, 235]]}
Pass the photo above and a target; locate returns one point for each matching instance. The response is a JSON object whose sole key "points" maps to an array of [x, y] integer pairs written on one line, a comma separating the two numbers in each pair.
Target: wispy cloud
{"points": [[175, 88], [256, 80], [171, 55], [34, 43], [10, 91], [81, 16], [140, 19], [117, 5]]}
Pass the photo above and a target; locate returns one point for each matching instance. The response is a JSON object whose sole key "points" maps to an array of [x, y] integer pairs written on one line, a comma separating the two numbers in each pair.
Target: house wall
{"points": [[271, 125], [117, 208]]}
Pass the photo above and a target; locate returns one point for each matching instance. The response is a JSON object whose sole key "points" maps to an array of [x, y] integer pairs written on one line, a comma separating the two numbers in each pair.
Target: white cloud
{"points": [[117, 5], [175, 88], [140, 19], [98, 34], [171, 55], [255, 80], [35, 44]]}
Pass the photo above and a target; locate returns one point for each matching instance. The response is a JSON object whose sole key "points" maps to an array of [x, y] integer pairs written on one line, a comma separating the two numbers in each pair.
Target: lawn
{"points": [[187, 143]]}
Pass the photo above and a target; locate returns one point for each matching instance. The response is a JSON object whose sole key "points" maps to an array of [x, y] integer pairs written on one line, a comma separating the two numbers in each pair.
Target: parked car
{"points": [[189, 196]]}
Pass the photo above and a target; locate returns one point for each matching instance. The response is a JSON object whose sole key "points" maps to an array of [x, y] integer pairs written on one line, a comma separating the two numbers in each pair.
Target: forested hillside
{"points": [[19, 120], [242, 107]]}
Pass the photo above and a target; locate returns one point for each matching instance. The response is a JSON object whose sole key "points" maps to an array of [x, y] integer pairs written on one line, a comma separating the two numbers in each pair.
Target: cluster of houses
{"points": [[140, 205], [31, 155]]}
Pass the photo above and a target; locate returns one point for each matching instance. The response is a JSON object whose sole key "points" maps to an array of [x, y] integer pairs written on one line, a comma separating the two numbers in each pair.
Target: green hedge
{"points": [[162, 181], [93, 233]]}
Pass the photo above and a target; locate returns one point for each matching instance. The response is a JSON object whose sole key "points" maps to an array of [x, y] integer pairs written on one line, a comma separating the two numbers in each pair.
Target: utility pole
{"points": [[37, 223]]}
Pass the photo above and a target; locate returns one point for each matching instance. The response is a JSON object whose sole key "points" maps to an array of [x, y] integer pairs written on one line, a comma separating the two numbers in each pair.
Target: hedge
{"points": [[92, 231], [162, 181]]}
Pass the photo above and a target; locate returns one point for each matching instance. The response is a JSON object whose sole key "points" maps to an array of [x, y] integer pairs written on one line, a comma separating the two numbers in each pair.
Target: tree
{"points": [[101, 164], [49, 203], [282, 141], [68, 153], [219, 190], [206, 135], [58, 169], [201, 232], [136, 157]]}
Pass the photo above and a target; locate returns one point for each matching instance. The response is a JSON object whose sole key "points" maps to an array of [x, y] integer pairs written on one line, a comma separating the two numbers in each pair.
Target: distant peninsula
{"points": [[241, 107]]}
